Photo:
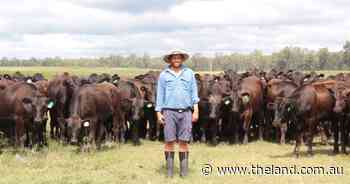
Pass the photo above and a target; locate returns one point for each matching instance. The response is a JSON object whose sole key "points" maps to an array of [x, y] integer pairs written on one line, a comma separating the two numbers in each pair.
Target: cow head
{"points": [[284, 110], [115, 79], [75, 126], [133, 107], [342, 97], [37, 107], [240, 100], [214, 106], [148, 93]]}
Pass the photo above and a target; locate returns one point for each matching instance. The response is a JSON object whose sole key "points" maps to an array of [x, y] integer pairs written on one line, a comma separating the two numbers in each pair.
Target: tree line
{"points": [[287, 58]]}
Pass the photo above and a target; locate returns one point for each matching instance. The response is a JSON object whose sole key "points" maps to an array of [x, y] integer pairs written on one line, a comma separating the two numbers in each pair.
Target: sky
{"points": [[94, 28]]}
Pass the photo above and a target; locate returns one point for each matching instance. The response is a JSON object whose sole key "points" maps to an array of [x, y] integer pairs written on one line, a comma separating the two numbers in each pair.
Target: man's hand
{"points": [[160, 118], [195, 113]]}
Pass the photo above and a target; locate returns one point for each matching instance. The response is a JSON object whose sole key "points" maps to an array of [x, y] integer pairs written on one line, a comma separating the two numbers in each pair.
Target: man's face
{"points": [[176, 60]]}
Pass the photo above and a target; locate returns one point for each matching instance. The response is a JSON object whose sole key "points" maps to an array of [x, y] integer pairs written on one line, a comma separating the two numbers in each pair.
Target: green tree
{"points": [[346, 56], [323, 57]]}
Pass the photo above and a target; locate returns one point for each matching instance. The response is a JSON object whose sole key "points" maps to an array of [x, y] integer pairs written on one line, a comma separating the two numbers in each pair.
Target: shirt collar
{"points": [[183, 68]]}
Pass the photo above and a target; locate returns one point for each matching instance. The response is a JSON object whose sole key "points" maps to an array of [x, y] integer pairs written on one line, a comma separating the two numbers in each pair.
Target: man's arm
{"points": [[195, 99], [160, 99], [160, 94], [194, 90]]}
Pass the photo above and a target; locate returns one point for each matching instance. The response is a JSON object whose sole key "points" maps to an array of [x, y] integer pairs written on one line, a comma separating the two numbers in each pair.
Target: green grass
{"points": [[145, 164], [49, 72]]}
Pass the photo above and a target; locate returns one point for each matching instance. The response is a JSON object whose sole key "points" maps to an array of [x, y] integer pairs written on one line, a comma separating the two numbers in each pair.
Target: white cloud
{"points": [[101, 27]]}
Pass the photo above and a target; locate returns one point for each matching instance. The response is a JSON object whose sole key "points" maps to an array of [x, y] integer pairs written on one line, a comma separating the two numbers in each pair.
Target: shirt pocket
{"points": [[169, 84], [185, 83]]}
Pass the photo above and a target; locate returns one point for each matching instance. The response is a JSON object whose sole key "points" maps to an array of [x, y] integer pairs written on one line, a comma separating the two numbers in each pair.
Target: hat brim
{"points": [[166, 58]]}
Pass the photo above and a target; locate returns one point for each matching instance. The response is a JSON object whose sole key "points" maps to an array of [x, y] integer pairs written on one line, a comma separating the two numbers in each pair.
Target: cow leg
{"points": [[323, 134], [260, 121], [297, 144], [299, 125], [62, 130], [344, 135], [19, 133], [309, 137], [236, 127], [203, 130], [92, 134], [335, 127], [118, 121], [214, 131], [230, 129], [283, 130], [135, 133], [246, 124], [52, 124], [152, 127], [141, 128], [100, 131]]}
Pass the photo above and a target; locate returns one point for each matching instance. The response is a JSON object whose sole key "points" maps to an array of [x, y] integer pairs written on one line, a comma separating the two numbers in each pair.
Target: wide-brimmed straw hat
{"points": [[176, 52]]}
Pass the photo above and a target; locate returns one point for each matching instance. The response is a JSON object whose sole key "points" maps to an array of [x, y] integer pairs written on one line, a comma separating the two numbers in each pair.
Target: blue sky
{"points": [[92, 28]]}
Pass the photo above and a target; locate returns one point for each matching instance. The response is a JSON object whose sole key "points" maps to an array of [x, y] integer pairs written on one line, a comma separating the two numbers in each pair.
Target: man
{"points": [[177, 108]]}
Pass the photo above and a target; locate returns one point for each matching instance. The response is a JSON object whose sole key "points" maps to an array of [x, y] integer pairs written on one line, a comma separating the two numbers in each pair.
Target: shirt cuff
{"points": [[195, 101], [158, 109]]}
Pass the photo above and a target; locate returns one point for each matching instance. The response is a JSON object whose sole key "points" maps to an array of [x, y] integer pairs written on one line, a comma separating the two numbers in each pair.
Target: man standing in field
{"points": [[177, 108]]}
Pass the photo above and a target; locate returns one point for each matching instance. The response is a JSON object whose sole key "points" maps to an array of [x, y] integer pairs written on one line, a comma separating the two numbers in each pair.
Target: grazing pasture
{"points": [[145, 164], [126, 163]]}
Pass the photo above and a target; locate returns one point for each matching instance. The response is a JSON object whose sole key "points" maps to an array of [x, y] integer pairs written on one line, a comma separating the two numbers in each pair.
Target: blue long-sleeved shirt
{"points": [[176, 92]]}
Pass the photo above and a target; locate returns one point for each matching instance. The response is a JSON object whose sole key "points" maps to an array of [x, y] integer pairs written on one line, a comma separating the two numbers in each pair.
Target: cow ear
{"points": [[197, 76], [321, 75], [27, 104], [216, 78]]}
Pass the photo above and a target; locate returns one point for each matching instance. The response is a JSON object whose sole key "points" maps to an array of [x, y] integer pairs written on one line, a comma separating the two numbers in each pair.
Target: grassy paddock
{"points": [[145, 164], [49, 72]]}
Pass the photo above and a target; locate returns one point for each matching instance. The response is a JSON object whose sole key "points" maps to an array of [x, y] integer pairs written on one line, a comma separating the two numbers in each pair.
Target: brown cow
{"points": [[42, 86], [94, 109], [132, 103], [277, 89], [5, 83], [26, 107], [60, 91], [306, 107], [342, 110], [248, 103]]}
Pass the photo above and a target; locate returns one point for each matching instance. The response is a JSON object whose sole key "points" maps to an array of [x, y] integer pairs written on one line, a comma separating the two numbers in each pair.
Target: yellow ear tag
{"points": [[245, 99]]}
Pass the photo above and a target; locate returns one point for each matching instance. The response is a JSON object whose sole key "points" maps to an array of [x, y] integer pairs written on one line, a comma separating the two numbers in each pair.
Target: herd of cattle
{"points": [[234, 107]]}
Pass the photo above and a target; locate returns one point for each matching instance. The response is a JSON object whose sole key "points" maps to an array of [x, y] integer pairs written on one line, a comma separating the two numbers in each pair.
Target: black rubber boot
{"points": [[183, 163], [169, 158]]}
